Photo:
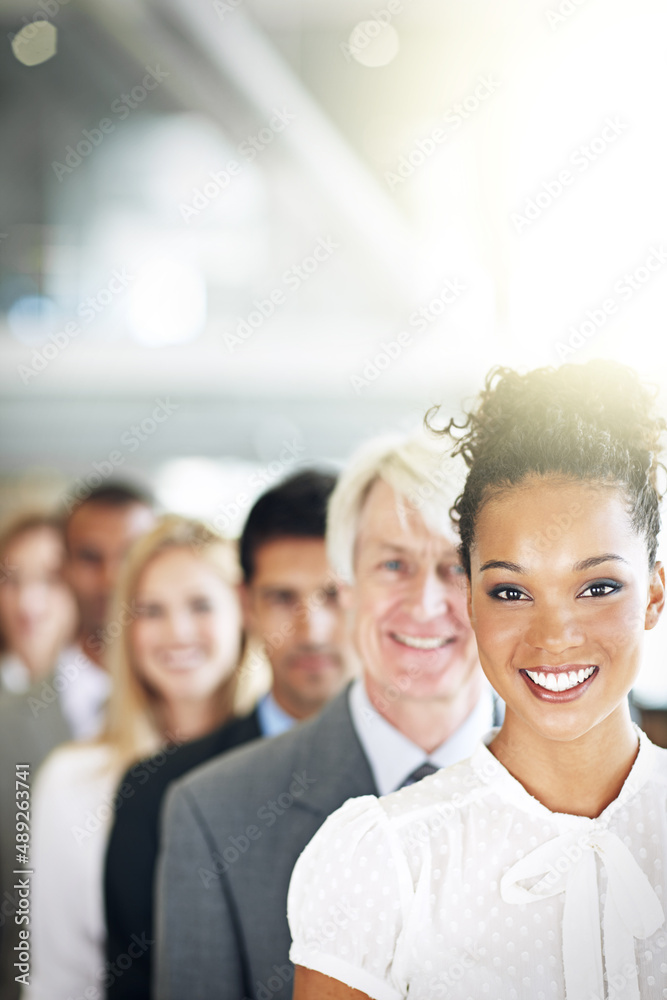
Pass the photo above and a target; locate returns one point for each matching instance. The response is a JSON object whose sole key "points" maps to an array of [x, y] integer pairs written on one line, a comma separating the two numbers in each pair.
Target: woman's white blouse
{"points": [[464, 886], [72, 810]]}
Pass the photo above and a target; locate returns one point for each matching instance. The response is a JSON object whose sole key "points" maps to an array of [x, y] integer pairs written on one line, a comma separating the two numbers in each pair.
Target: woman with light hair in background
{"points": [[37, 609], [174, 640]]}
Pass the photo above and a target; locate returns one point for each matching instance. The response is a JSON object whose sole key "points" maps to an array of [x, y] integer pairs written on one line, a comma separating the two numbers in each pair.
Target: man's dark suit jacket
{"points": [[133, 849], [231, 833]]}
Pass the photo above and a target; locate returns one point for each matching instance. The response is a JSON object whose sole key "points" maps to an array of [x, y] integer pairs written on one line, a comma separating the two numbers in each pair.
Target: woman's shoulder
{"points": [[447, 794], [76, 782], [76, 763], [347, 837], [447, 790], [344, 828], [394, 824]]}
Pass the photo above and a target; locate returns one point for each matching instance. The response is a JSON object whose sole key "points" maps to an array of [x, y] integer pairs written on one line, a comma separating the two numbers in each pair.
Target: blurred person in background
{"points": [[175, 640], [37, 609], [98, 533], [292, 609], [69, 703], [233, 829]]}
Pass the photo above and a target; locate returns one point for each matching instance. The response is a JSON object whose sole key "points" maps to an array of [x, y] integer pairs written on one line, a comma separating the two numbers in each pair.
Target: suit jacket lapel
{"points": [[333, 760]]}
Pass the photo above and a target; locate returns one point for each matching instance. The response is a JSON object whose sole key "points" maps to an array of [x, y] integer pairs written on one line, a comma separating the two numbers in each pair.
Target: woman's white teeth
{"points": [[420, 642], [183, 659], [562, 681]]}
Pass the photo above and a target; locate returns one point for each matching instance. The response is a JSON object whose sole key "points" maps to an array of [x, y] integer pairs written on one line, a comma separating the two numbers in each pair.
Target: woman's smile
{"points": [[567, 683]]}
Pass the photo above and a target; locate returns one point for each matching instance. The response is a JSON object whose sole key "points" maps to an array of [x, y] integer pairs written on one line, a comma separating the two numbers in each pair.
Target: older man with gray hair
{"points": [[234, 828]]}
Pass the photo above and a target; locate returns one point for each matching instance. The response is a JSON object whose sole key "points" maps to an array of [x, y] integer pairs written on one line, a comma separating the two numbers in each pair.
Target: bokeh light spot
{"points": [[35, 43], [373, 43]]}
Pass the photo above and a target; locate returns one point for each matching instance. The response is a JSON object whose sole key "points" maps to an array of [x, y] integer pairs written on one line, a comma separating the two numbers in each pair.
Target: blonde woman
{"points": [[173, 643]]}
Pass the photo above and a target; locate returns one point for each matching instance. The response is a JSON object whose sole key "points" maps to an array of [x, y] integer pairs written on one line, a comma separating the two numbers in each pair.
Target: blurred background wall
{"points": [[237, 236]]}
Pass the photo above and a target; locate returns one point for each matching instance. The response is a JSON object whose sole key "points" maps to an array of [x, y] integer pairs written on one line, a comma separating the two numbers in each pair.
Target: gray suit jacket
{"points": [[232, 832], [29, 729]]}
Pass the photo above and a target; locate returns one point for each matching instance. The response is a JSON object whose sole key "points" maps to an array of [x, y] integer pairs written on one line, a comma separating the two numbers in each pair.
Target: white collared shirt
{"points": [[464, 885], [14, 675], [392, 756], [83, 689]]}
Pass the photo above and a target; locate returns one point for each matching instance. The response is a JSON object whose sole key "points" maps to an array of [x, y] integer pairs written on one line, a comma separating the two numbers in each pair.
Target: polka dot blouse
{"points": [[464, 886]]}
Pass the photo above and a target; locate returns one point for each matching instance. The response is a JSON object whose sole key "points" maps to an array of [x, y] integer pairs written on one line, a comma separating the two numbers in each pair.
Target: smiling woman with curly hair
{"points": [[535, 869]]}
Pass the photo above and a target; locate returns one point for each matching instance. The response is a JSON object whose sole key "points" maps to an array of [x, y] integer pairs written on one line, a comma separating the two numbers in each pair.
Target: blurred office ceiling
{"points": [[241, 235], [315, 217]]}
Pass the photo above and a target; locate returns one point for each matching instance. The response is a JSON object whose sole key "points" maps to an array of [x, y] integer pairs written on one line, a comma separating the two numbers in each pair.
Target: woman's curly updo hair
{"points": [[594, 422]]}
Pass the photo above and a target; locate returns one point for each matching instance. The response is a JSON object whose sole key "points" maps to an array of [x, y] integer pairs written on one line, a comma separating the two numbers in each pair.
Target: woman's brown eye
{"points": [[507, 594], [602, 588]]}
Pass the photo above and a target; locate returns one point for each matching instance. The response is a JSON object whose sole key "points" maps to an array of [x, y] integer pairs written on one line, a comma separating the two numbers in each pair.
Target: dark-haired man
{"points": [[289, 595], [98, 532], [291, 606]]}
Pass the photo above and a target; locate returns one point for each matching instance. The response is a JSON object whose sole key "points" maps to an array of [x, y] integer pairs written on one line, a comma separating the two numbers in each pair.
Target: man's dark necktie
{"points": [[420, 772]]}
